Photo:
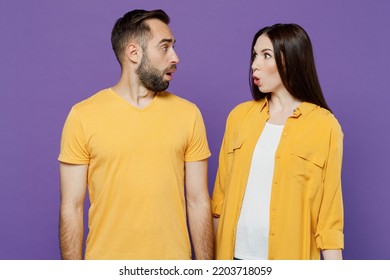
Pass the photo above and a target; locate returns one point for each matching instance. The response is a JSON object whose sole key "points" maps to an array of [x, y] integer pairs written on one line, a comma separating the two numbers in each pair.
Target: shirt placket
{"points": [[276, 187]]}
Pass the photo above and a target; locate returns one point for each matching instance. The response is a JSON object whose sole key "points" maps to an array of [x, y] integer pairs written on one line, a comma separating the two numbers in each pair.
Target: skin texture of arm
{"points": [[199, 209], [332, 254], [73, 189]]}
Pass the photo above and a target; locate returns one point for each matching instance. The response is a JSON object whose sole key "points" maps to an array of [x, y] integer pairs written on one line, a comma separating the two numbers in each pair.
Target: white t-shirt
{"points": [[253, 223]]}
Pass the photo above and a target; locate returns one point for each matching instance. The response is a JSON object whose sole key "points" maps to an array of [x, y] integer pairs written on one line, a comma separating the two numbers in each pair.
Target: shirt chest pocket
{"points": [[234, 154], [306, 166]]}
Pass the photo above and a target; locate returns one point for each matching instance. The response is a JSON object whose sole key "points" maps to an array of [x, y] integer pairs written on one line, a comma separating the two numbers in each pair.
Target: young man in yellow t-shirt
{"points": [[135, 146]]}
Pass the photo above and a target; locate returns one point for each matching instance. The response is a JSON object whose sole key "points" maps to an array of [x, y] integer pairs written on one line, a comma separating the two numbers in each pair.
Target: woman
{"points": [[278, 188]]}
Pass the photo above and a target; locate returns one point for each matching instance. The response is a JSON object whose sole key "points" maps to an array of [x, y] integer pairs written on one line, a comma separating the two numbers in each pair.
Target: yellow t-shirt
{"points": [[306, 208], [136, 172]]}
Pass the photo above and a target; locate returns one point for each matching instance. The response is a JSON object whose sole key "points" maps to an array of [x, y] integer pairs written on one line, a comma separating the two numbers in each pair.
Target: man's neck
{"points": [[134, 93]]}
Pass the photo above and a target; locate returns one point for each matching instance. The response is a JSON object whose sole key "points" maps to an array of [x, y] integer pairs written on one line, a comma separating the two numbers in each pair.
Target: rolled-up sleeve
{"points": [[329, 234], [222, 173]]}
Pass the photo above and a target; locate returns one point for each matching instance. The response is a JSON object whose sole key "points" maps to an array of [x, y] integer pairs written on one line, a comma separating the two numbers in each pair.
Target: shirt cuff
{"points": [[330, 240], [216, 208]]}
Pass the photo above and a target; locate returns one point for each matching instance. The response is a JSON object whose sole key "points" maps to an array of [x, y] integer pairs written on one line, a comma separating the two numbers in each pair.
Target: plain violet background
{"points": [[56, 53]]}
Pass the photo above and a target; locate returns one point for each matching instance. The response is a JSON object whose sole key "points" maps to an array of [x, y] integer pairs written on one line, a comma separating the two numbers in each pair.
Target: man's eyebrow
{"points": [[167, 41]]}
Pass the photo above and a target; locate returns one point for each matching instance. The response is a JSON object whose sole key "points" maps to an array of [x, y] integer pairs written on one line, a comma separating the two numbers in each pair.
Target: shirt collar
{"points": [[303, 109], [263, 104]]}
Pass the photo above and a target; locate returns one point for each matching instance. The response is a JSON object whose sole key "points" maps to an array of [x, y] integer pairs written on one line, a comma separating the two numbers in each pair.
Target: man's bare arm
{"points": [[73, 189], [199, 209]]}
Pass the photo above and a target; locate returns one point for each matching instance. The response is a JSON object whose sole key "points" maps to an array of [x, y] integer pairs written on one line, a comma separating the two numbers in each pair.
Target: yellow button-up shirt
{"points": [[306, 208]]}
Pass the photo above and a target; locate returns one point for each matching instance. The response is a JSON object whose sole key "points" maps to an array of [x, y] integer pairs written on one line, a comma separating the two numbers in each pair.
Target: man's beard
{"points": [[151, 77]]}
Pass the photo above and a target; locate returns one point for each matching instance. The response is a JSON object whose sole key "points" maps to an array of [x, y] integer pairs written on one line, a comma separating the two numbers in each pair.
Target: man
{"points": [[135, 145]]}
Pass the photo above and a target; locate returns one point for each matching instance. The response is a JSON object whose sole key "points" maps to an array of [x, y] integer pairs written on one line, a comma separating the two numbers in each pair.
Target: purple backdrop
{"points": [[56, 53]]}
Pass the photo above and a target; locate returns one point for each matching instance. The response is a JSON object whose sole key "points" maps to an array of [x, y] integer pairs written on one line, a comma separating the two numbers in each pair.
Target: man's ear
{"points": [[133, 52]]}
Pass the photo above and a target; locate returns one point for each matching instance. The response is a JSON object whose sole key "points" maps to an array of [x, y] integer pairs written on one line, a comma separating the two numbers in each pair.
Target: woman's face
{"points": [[265, 73]]}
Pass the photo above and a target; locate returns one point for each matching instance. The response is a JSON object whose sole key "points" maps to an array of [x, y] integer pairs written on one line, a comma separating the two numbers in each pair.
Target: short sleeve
{"points": [[197, 148], [73, 145]]}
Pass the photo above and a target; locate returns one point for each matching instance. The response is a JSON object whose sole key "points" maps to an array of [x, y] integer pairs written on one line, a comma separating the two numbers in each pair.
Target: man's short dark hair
{"points": [[132, 26]]}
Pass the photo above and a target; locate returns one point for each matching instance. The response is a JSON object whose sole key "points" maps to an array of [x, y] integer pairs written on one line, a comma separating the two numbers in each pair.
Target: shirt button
{"points": [[284, 133]]}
